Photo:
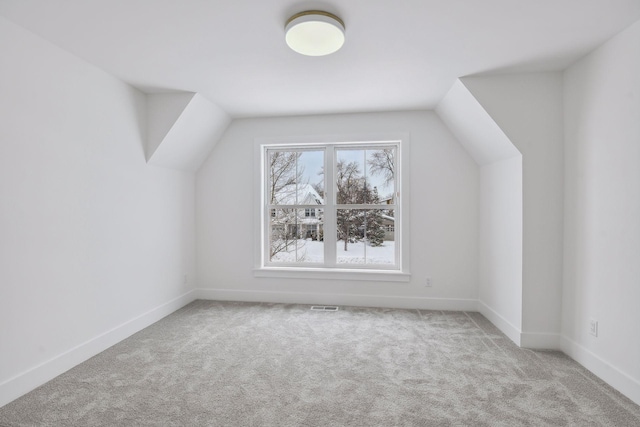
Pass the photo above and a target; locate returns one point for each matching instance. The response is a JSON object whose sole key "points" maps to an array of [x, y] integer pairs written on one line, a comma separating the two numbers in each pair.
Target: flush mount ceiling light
{"points": [[314, 33]]}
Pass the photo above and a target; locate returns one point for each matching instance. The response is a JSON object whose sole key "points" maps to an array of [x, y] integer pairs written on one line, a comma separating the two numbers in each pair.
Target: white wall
{"points": [[602, 211], [500, 245], [528, 108], [500, 207], [443, 208], [93, 242]]}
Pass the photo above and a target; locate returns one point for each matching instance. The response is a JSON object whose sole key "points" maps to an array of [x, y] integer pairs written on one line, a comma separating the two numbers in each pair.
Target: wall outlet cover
{"points": [[593, 327]]}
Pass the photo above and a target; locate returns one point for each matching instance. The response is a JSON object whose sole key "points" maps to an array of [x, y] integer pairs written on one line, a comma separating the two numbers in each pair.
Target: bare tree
{"points": [[382, 163], [349, 181], [286, 175]]}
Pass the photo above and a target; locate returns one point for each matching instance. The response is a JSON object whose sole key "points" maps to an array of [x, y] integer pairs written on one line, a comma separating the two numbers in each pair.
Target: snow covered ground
{"points": [[312, 251]]}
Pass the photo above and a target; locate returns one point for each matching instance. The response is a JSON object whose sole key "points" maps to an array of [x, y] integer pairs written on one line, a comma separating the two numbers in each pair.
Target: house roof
{"points": [[298, 194]]}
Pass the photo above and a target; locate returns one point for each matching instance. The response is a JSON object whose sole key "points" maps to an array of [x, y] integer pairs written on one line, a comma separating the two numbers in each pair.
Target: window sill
{"points": [[333, 274]]}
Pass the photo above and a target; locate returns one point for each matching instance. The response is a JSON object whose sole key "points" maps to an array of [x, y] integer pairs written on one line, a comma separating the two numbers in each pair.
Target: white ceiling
{"points": [[398, 55]]}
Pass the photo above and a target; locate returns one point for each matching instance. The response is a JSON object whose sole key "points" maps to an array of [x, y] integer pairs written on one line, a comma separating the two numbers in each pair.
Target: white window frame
{"points": [[400, 272]]}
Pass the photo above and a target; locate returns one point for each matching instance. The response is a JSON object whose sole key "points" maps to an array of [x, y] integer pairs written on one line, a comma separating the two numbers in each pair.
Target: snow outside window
{"points": [[331, 206]]}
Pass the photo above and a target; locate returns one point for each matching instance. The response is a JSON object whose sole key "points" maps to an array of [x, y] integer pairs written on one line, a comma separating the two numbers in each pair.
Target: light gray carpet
{"points": [[244, 364]]}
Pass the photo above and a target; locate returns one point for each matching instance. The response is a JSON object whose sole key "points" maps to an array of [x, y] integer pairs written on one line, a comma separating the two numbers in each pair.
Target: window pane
{"points": [[311, 183], [312, 235], [295, 177], [365, 176], [282, 174], [350, 181], [380, 237], [380, 175], [365, 236], [296, 238], [351, 244]]}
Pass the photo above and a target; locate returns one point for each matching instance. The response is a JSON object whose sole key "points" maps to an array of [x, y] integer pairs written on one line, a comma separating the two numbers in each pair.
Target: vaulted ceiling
{"points": [[399, 55]]}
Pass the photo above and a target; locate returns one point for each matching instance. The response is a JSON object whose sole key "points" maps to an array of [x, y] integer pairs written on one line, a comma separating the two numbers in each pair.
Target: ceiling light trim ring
{"points": [[315, 12]]}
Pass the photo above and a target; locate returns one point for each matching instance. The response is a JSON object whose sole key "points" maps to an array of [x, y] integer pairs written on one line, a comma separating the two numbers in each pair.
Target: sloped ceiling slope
{"points": [[474, 128], [182, 129]]}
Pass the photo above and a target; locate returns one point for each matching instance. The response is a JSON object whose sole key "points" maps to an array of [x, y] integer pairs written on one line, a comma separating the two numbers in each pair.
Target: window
{"points": [[331, 206]]}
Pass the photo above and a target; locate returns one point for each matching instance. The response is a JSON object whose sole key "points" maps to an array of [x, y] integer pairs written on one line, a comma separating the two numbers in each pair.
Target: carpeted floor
{"points": [[245, 364]]}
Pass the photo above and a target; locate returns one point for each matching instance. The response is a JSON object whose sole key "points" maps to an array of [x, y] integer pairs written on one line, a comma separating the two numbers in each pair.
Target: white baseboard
{"points": [[23, 383], [338, 299], [512, 332], [613, 376], [535, 340]]}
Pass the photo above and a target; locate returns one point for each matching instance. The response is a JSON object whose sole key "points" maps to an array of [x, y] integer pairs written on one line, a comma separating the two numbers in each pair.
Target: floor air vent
{"points": [[324, 308]]}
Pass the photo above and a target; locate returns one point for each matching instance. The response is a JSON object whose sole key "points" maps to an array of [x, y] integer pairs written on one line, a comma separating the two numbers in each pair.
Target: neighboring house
{"points": [[389, 224], [387, 200], [301, 223], [388, 221], [308, 223]]}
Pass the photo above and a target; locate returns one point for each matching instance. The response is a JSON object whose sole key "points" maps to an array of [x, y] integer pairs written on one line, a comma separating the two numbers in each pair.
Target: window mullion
{"points": [[330, 226]]}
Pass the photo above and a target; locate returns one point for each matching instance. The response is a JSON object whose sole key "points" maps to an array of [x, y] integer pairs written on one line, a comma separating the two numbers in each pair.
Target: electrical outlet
{"points": [[185, 279], [593, 327], [427, 282]]}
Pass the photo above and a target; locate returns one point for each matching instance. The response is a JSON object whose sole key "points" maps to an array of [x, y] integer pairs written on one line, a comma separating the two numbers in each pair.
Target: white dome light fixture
{"points": [[314, 33]]}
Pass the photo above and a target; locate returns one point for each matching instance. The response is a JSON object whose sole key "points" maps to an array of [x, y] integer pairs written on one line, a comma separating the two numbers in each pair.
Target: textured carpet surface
{"points": [[248, 364]]}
